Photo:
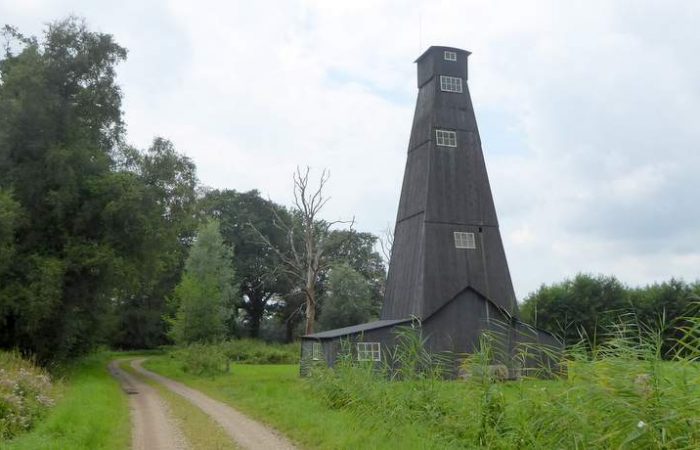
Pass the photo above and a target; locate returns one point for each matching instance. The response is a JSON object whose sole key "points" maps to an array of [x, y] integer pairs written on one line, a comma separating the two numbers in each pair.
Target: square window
{"points": [[464, 240], [450, 84], [317, 351], [369, 351], [446, 138], [450, 56]]}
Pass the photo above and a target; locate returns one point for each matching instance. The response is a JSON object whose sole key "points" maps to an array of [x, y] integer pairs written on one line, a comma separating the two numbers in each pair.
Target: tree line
{"points": [[587, 308], [95, 234]]}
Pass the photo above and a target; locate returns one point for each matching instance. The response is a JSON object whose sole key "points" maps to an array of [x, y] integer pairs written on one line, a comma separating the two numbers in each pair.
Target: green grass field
{"points": [[299, 408], [617, 400], [91, 412]]}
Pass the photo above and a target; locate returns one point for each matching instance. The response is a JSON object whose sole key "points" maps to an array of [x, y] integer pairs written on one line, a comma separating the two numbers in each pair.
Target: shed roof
{"points": [[356, 329]]}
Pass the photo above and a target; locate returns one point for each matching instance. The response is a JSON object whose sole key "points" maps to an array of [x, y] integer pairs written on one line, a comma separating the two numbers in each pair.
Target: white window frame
{"points": [[446, 138], [450, 84], [450, 56], [464, 239], [317, 351], [369, 351]]}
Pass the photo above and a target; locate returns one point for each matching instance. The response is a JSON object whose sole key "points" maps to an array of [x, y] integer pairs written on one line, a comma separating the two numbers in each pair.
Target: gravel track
{"points": [[247, 433], [153, 427]]}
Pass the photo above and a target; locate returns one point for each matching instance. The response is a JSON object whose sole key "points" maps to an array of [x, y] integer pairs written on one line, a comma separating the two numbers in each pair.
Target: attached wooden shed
{"points": [[453, 329]]}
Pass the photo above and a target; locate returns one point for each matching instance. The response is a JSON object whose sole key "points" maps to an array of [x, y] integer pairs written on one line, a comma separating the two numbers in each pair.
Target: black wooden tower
{"points": [[448, 269], [446, 237]]}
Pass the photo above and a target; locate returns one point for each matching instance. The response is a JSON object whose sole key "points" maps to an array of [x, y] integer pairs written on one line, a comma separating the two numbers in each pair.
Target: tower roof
{"points": [[439, 48]]}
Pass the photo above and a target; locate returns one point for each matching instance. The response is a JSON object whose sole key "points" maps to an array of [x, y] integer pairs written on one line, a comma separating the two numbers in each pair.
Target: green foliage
{"points": [[92, 233], [357, 250], [268, 294], [411, 359], [26, 394], [9, 219], [60, 119], [153, 223], [209, 359], [203, 296], [258, 277], [252, 351], [577, 306], [585, 306], [202, 359], [91, 411], [346, 300]]}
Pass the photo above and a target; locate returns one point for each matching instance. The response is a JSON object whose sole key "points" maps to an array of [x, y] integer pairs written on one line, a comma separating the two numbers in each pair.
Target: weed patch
{"points": [[91, 412], [26, 394]]}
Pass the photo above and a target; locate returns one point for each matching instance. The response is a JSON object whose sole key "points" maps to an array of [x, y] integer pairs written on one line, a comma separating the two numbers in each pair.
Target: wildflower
{"points": [[641, 424]]}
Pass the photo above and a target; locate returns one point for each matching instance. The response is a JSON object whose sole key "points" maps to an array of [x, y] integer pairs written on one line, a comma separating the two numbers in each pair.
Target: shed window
{"points": [[450, 84], [450, 56], [317, 351], [446, 138], [464, 240], [369, 351]]}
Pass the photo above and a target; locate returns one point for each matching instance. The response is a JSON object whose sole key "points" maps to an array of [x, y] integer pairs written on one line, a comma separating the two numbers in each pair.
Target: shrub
{"points": [[26, 393], [212, 359], [201, 359], [251, 351]]}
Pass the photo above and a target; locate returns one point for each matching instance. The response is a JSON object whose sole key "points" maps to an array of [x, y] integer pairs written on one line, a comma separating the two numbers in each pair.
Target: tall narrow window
{"points": [[369, 351], [446, 138], [464, 240], [450, 84], [317, 351], [450, 56]]}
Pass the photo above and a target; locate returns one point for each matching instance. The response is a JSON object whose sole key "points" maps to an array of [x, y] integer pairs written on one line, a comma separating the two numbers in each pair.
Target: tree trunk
{"points": [[310, 291], [310, 310]]}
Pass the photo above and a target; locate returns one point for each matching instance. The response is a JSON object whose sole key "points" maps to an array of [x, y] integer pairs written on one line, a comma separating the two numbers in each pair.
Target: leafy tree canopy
{"points": [[586, 306], [347, 299], [203, 297]]}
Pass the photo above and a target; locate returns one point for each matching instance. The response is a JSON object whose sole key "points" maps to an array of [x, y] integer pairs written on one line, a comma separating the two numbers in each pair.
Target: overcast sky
{"points": [[589, 111]]}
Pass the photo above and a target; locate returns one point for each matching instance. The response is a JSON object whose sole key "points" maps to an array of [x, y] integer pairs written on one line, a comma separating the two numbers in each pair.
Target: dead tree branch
{"points": [[307, 238]]}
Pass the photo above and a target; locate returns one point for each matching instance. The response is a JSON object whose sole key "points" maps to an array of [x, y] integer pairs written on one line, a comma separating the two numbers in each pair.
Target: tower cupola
{"points": [[446, 61]]}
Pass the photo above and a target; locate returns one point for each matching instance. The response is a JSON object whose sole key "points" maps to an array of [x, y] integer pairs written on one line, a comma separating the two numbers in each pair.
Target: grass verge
{"points": [[274, 394], [91, 412], [201, 431]]}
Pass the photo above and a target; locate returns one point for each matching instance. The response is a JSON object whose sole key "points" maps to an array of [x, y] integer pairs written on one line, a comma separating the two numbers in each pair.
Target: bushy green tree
{"points": [[60, 122], [347, 299], [154, 221], [93, 233], [665, 306], [203, 298], [357, 250], [257, 264], [577, 308], [587, 306]]}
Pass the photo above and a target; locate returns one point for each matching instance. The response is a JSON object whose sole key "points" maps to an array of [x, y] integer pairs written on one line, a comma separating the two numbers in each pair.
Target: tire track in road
{"points": [[152, 426]]}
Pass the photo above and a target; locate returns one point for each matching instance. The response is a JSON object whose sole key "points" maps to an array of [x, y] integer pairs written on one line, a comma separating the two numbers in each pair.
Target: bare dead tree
{"points": [[307, 235], [386, 242]]}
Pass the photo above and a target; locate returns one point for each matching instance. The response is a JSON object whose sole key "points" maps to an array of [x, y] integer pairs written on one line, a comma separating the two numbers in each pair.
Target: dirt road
{"points": [[247, 433], [153, 427]]}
